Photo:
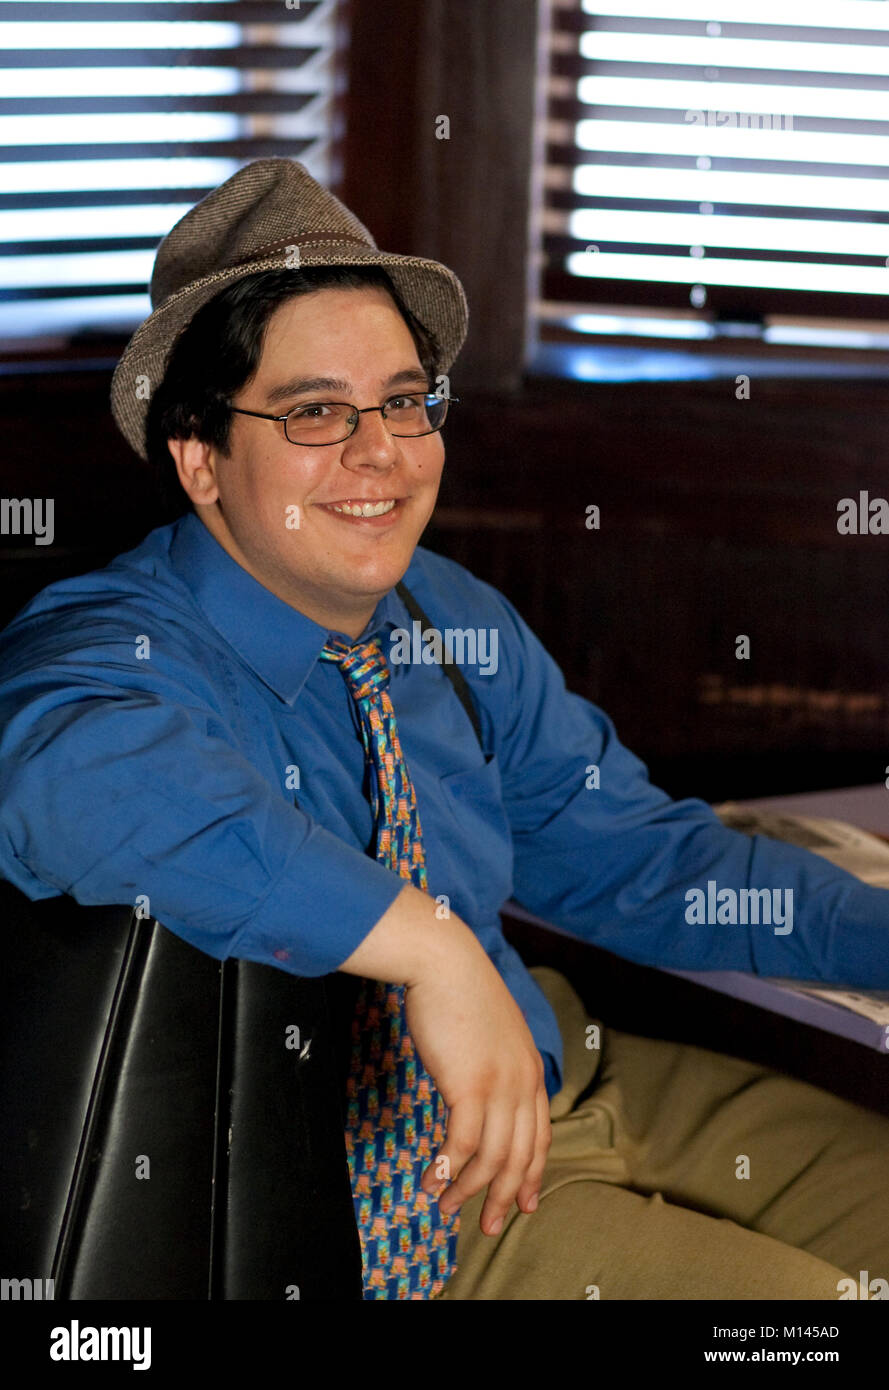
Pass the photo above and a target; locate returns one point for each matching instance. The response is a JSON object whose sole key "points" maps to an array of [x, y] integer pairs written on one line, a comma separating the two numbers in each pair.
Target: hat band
{"points": [[258, 252]]}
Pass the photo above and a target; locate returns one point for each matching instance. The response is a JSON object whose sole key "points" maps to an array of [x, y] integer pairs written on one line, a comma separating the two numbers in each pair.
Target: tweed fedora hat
{"points": [[254, 221]]}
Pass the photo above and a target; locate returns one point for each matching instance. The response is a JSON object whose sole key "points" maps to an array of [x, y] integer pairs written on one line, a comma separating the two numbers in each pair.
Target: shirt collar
{"points": [[280, 644]]}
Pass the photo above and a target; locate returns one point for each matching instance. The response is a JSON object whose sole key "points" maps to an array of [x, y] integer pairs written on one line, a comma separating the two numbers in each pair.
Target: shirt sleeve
{"points": [[603, 854], [121, 778]]}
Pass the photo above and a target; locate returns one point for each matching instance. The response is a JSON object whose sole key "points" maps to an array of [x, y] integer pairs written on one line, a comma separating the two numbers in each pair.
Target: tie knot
{"points": [[364, 666]]}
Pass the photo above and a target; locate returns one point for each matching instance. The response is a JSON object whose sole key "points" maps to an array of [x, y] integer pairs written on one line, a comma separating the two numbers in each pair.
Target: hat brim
{"points": [[431, 291]]}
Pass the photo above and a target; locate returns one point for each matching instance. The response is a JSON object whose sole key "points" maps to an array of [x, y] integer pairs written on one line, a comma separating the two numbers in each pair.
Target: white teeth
{"points": [[364, 508]]}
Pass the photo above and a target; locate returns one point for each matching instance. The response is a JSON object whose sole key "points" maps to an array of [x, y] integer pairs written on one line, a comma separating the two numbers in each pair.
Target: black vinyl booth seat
{"points": [[162, 1136], [161, 1139]]}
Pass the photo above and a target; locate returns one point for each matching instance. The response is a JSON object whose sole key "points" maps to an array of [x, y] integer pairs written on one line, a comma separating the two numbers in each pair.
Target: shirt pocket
{"points": [[479, 837]]}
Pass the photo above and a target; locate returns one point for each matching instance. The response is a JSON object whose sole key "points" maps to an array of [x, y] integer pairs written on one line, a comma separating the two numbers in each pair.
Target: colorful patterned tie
{"points": [[396, 1119]]}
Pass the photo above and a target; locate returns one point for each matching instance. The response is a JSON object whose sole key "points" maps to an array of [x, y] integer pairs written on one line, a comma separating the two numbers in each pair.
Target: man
{"points": [[233, 720]]}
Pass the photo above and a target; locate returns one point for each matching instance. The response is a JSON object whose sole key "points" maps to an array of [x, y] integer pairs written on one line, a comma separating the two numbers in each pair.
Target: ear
{"points": [[196, 465]]}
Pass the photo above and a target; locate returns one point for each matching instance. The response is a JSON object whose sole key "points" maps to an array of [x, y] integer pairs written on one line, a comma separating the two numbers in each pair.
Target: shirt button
{"points": [[281, 954]]}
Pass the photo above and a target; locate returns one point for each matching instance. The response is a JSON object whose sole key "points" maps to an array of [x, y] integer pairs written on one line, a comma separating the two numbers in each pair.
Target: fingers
{"points": [[503, 1146], [465, 1123], [491, 1163], [503, 1190], [530, 1188]]}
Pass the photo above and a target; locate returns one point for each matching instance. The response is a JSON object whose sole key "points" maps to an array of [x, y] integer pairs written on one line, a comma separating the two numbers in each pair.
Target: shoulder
{"points": [[140, 573], [452, 594], [497, 652], [102, 615]]}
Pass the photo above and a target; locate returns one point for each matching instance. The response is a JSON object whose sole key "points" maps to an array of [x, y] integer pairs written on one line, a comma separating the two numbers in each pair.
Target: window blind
{"points": [[706, 159], [115, 118]]}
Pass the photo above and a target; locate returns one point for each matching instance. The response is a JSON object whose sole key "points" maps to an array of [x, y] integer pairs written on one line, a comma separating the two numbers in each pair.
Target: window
{"points": [[716, 169], [115, 118]]}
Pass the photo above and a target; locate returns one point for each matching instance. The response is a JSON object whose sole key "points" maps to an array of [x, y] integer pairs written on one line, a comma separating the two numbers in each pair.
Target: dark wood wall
{"points": [[718, 516]]}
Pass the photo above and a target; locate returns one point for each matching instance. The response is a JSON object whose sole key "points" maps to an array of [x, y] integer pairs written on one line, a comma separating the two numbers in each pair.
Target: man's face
{"points": [[334, 567]]}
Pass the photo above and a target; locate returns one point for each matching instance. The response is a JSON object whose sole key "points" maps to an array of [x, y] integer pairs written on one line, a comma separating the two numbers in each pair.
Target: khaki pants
{"points": [[644, 1194]]}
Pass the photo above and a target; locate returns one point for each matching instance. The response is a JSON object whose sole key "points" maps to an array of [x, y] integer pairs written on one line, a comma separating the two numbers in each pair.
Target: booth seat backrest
{"points": [[173, 1124]]}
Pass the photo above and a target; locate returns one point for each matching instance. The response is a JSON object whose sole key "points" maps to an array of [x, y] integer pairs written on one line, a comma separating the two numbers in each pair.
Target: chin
{"points": [[382, 576]]}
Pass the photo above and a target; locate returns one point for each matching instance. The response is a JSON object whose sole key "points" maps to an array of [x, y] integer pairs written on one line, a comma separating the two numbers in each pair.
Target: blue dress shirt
{"points": [[167, 730]]}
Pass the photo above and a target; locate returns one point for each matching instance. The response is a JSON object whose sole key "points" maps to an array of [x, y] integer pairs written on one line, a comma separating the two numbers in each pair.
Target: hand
{"points": [[474, 1042]]}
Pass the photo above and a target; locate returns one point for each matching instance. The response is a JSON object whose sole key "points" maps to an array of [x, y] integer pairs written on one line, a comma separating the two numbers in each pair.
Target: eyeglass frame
{"points": [[259, 415]]}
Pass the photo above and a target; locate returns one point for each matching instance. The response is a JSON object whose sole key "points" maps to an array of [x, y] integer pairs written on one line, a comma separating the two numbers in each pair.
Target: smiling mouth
{"points": [[350, 508]]}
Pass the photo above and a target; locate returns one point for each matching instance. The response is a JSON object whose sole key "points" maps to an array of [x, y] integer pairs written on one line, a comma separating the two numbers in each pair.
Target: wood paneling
{"points": [[718, 518], [464, 200]]}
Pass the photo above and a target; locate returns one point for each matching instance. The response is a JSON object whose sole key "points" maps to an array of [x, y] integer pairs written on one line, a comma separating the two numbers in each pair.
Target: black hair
{"points": [[219, 351]]}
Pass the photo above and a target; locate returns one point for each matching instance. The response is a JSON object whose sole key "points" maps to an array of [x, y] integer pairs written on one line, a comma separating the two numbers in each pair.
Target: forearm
{"points": [[840, 925], [114, 801], [411, 942], [652, 896]]}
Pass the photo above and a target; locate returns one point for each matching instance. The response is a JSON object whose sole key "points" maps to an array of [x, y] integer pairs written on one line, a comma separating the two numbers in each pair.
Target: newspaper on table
{"points": [[855, 850]]}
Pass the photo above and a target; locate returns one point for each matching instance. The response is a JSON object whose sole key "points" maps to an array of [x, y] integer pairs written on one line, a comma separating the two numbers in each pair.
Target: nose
{"points": [[370, 443]]}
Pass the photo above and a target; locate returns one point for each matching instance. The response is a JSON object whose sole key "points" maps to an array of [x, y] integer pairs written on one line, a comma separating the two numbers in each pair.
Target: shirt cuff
{"points": [[324, 904], [551, 1074], [845, 944]]}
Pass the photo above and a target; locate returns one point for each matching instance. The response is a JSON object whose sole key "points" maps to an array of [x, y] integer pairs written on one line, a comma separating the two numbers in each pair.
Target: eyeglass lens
{"points": [[329, 422]]}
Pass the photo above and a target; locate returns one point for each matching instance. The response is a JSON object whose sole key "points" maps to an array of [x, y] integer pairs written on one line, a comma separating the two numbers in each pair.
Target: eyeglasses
{"points": [[332, 422]]}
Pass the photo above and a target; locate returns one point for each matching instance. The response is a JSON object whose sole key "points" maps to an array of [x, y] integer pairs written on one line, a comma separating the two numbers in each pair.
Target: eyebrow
{"points": [[299, 386]]}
